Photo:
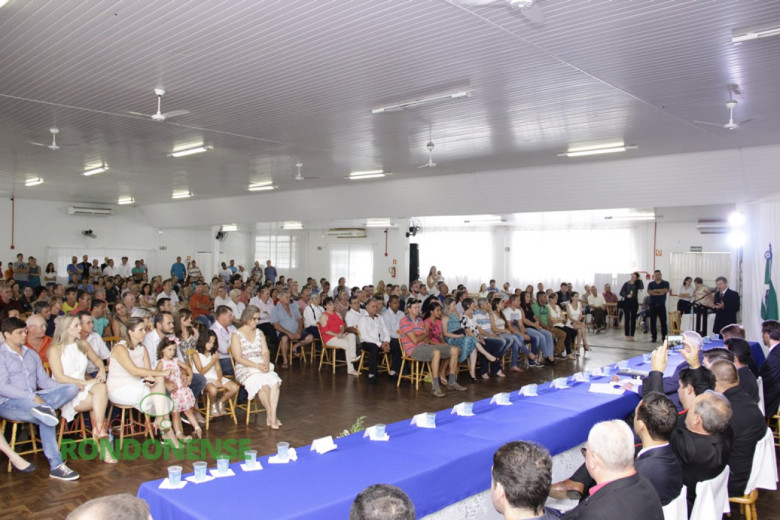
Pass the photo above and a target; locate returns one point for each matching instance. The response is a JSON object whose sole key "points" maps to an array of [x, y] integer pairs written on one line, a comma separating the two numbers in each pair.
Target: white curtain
{"points": [[464, 256], [552, 256], [355, 262]]}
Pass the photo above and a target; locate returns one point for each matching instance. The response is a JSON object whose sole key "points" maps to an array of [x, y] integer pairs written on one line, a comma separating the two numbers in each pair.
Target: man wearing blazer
{"points": [[770, 370], [726, 304], [747, 425]]}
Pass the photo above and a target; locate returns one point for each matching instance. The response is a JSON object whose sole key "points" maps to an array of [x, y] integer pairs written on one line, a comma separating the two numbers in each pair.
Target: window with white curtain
{"points": [[464, 256], [355, 262], [281, 250], [552, 256]]}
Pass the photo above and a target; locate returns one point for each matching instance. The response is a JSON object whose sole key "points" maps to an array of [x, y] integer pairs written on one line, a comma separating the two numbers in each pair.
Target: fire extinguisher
{"points": [[392, 271]]}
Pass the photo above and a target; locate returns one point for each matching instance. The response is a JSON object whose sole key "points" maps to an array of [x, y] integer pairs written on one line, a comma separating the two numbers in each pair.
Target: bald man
{"points": [[37, 339], [747, 424]]}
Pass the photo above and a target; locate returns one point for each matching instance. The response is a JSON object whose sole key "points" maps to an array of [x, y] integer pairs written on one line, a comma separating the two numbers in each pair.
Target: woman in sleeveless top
{"points": [[68, 358], [254, 369], [577, 320], [557, 319]]}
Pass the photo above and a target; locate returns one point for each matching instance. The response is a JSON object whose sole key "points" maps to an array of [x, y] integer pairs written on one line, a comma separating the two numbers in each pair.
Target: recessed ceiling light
{"points": [[423, 101], [292, 224], [483, 219], [190, 151], [261, 186], [755, 33], [33, 182], [368, 174], [181, 194], [229, 227], [579, 150], [125, 200], [378, 222], [95, 171]]}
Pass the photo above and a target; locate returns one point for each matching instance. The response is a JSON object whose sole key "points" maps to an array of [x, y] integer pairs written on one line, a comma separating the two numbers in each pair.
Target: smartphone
{"points": [[674, 342]]}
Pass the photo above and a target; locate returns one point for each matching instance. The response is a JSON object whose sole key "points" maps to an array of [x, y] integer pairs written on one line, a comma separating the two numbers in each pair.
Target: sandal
{"points": [[198, 432], [108, 458]]}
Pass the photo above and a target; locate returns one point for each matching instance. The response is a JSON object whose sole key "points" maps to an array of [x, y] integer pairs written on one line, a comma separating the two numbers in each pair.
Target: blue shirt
{"points": [[21, 376], [179, 271], [270, 274], [286, 321], [483, 321]]}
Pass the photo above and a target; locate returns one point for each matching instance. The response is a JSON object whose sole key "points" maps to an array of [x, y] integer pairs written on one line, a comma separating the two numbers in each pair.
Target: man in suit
{"points": [[770, 370], [520, 481], [747, 425], [620, 491], [726, 304], [743, 360]]}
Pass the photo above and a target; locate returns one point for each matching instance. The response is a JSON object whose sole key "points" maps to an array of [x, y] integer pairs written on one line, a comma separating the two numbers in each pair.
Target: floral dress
{"points": [[183, 398], [466, 344], [252, 378]]}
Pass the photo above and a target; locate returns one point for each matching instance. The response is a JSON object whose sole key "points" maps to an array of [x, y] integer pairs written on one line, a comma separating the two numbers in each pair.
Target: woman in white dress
{"points": [[254, 369], [132, 379], [68, 357], [577, 321], [206, 362]]}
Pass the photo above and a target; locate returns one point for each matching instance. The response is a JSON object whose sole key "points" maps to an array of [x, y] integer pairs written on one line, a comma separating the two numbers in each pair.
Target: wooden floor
{"points": [[313, 404]]}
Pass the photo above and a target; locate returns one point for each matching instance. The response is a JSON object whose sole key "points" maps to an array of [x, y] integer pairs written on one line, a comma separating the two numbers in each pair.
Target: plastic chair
{"points": [[329, 354], [763, 475], [32, 445], [712, 498], [613, 314], [677, 509]]}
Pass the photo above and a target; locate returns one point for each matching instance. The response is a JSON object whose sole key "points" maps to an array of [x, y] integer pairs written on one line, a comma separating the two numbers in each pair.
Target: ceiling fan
{"points": [[731, 104], [161, 116], [528, 8], [430, 164], [53, 146], [299, 177]]}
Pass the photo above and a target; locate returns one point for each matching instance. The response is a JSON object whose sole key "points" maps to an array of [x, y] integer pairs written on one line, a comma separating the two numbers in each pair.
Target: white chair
{"points": [[763, 475], [712, 498], [761, 406], [677, 509]]}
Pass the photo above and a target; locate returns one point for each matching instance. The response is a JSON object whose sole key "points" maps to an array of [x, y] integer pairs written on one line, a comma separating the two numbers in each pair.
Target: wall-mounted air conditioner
{"points": [[713, 227], [347, 233], [83, 210]]}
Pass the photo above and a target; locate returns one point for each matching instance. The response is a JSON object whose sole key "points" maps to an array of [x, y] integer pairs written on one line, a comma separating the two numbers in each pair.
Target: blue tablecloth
{"points": [[435, 467]]}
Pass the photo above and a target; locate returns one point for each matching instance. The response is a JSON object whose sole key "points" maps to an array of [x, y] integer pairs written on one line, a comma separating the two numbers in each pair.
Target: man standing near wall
{"points": [[270, 272]]}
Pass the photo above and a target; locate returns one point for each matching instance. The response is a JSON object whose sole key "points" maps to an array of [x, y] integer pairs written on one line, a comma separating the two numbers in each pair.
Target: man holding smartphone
{"points": [[657, 290]]}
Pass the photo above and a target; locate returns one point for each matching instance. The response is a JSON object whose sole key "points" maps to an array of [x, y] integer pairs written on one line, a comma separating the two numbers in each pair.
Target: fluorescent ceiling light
{"points": [[579, 150], [482, 219], [378, 222], [95, 171], [261, 186], [181, 194], [755, 33], [422, 101], [229, 227], [125, 200], [190, 151], [630, 217], [33, 182], [292, 224], [368, 174]]}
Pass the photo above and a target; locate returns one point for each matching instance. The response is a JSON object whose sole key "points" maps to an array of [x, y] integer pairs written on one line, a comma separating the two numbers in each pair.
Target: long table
{"points": [[435, 467]]}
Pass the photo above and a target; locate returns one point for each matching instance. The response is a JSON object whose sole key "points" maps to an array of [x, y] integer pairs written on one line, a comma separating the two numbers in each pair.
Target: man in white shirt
{"points": [[257, 271], [168, 292], [235, 304], [374, 336], [128, 299], [109, 270], [95, 341], [392, 316], [266, 305], [125, 270], [352, 318], [598, 309], [193, 271], [224, 329], [222, 298]]}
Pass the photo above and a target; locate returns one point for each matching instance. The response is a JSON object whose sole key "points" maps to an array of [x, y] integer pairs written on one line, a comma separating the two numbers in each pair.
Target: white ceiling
{"points": [[270, 83]]}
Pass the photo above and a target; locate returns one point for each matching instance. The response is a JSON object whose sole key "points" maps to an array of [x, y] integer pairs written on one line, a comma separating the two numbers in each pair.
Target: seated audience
{"points": [[513, 315], [499, 344], [254, 369], [620, 491], [532, 323], [392, 316], [489, 348], [598, 309], [520, 481], [747, 425], [29, 394], [37, 340], [733, 330], [206, 362], [288, 323], [382, 502], [576, 320], [499, 326], [557, 318], [312, 313], [541, 313], [414, 337], [335, 335]]}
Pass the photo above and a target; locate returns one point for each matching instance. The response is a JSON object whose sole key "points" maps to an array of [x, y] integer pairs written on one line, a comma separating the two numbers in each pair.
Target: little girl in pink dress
{"points": [[183, 398]]}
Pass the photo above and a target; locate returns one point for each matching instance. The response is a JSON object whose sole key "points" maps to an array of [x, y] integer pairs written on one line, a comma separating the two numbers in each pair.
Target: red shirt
{"points": [[199, 299], [407, 326], [334, 324], [43, 353]]}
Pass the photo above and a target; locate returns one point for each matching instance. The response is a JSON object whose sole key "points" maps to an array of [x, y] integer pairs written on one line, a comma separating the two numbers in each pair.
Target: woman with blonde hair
{"points": [[68, 357]]}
